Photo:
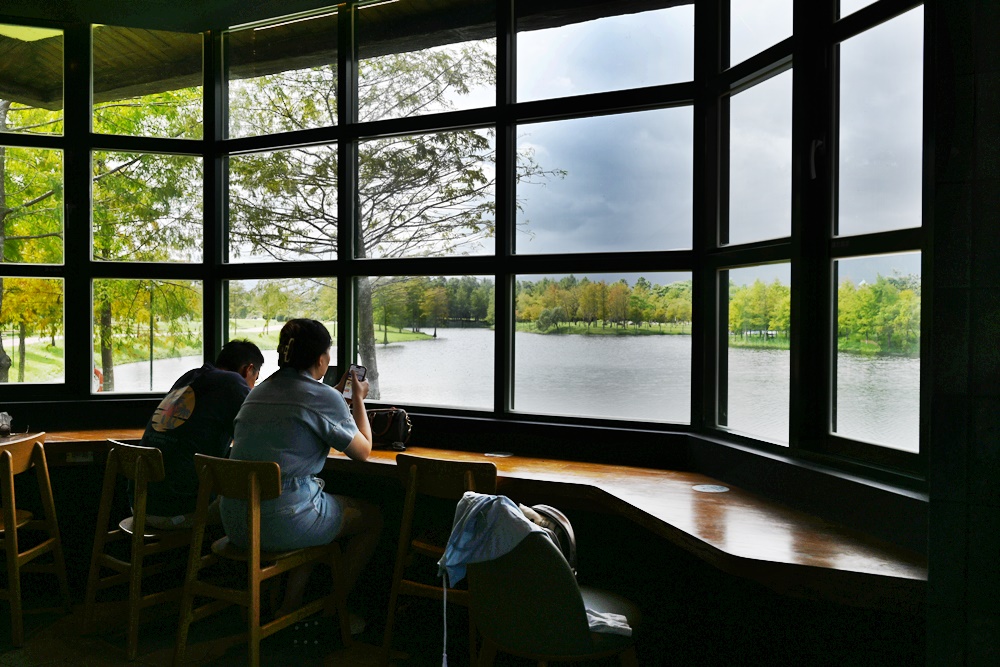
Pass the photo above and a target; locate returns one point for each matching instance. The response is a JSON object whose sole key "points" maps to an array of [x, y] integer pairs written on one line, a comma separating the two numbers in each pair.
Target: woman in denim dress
{"points": [[294, 419]]}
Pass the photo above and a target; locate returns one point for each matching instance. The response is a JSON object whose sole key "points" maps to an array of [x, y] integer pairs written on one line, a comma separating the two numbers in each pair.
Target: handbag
{"points": [[389, 427]]}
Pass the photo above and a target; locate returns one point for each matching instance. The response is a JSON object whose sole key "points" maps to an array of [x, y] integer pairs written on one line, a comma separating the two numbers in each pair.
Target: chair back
{"points": [[21, 454], [242, 480], [136, 462], [528, 601], [441, 478]]}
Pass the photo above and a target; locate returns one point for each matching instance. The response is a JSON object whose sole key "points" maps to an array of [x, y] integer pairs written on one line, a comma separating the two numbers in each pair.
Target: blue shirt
{"points": [[293, 420]]}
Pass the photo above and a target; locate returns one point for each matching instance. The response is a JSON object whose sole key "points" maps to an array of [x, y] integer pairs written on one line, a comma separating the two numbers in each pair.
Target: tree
{"points": [[434, 305], [428, 194]]}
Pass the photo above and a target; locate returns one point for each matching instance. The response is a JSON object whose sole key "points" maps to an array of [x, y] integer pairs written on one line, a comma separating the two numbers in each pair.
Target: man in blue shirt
{"points": [[196, 417]]}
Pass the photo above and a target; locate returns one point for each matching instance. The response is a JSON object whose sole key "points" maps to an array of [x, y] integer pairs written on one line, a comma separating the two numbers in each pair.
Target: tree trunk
{"points": [[5, 360], [366, 335], [22, 334], [107, 360]]}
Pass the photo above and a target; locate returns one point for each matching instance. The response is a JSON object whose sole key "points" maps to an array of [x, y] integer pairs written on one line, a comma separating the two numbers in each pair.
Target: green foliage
{"points": [[548, 303]]}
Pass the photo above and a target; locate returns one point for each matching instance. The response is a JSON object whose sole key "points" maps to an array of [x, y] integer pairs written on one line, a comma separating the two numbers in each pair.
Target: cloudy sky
{"points": [[628, 184]]}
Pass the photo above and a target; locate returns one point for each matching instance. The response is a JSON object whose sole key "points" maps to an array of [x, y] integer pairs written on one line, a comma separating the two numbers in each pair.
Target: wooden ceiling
{"points": [[166, 54]]}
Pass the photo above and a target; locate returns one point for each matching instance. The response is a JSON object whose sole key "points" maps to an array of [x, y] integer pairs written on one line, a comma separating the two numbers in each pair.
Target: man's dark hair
{"points": [[238, 353], [301, 343]]}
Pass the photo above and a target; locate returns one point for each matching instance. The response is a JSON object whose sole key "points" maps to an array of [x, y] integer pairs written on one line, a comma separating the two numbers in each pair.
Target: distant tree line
{"points": [[882, 317], [571, 300]]}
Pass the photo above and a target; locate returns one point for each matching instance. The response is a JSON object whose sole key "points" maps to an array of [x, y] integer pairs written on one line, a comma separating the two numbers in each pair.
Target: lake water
{"points": [[643, 378]]}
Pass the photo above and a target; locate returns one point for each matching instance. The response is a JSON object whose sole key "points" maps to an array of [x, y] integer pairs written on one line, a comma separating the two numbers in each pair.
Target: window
{"points": [[397, 80], [607, 346], [606, 183], [31, 76], [605, 214], [32, 345], [881, 126], [138, 105], [147, 207], [426, 195], [147, 333], [282, 75], [259, 308], [427, 340], [756, 25], [878, 350], [578, 56], [757, 358], [760, 161], [283, 205], [31, 218]]}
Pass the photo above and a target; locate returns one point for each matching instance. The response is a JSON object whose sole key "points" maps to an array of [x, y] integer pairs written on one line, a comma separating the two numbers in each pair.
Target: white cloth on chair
{"points": [[485, 527], [614, 624]]}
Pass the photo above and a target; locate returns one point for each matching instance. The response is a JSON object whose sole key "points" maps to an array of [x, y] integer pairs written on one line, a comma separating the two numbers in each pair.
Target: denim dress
{"points": [[291, 419]]}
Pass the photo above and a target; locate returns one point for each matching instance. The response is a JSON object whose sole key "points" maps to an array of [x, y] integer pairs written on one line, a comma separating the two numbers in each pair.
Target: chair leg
{"points": [[100, 541], [253, 616], [134, 597], [60, 562], [14, 591]]}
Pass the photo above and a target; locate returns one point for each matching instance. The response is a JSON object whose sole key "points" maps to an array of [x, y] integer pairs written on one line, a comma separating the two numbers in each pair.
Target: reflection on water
{"points": [[641, 378]]}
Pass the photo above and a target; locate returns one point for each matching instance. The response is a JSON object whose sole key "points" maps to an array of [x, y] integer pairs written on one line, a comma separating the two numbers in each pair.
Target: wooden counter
{"points": [[738, 532]]}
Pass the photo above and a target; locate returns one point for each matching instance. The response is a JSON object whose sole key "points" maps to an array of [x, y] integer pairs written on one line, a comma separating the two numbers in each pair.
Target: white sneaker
{"points": [[357, 623]]}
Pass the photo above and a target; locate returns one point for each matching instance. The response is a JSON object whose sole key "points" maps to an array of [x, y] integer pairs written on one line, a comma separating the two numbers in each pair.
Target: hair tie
{"points": [[288, 348]]}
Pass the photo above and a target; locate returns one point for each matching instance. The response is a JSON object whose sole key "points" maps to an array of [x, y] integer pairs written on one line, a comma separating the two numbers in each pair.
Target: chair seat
{"points": [[603, 601], [223, 548], [21, 518], [128, 525]]}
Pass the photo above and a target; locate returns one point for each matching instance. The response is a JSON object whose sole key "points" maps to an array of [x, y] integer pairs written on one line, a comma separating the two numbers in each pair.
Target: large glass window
{"points": [[31, 79], [607, 183], [881, 127], [147, 83], [401, 73], [557, 58], [757, 359], [283, 205], [259, 308], [427, 195], [760, 161], [146, 333], [32, 331], [147, 207], [283, 76], [559, 238], [756, 25], [428, 340], [31, 205], [878, 350], [604, 345]]}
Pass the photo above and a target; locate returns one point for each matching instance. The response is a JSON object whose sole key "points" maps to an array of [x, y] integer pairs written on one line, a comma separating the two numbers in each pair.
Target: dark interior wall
{"points": [[964, 469]]}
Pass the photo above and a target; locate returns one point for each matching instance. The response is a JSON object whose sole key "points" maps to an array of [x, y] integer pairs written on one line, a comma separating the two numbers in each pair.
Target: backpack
{"points": [[558, 527]]}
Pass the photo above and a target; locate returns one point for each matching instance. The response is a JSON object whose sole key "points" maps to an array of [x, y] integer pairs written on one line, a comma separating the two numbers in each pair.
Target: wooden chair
{"points": [[434, 478], [141, 465], [16, 457], [252, 481], [528, 603]]}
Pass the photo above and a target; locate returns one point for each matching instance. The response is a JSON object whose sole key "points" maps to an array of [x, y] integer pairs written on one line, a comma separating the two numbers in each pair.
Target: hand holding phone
{"points": [[358, 370]]}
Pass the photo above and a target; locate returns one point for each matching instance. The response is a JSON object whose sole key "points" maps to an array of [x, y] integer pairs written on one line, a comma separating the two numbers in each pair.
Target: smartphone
{"points": [[360, 372]]}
